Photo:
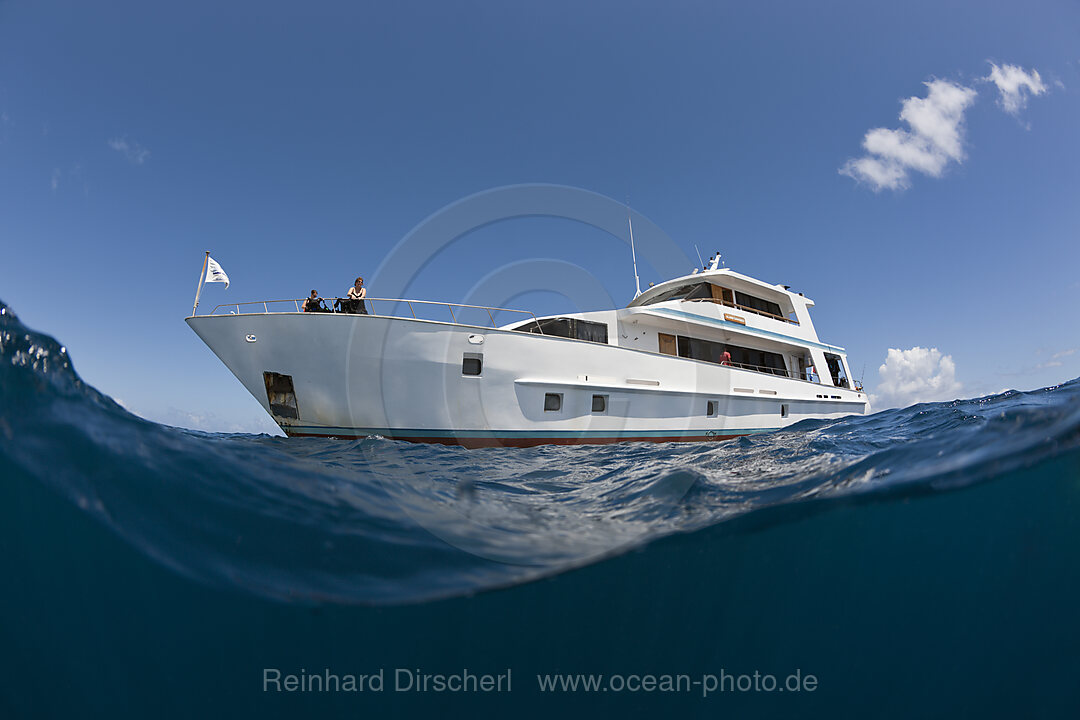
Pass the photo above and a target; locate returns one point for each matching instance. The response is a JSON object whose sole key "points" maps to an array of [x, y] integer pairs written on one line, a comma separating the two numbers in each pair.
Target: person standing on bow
{"points": [[357, 293], [314, 303]]}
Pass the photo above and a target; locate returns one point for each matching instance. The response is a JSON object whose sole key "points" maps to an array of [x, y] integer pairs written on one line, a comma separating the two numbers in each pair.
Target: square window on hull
{"points": [[552, 402], [599, 403], [472, 364]]}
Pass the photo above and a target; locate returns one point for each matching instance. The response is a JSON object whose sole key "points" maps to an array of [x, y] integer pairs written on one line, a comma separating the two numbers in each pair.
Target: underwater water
{"points": [[922, 561]]}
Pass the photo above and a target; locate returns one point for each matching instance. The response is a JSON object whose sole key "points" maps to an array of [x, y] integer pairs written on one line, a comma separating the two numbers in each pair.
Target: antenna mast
{"points": [[633, 254]]}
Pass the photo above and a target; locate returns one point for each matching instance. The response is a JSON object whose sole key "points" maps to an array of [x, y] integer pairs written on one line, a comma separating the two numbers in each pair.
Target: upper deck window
{"points": [[756, 303], [723, 296], [693, 291]]}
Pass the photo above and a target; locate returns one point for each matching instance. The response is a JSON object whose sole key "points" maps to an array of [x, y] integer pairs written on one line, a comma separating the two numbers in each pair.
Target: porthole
{"points": [[552, 402], [599, 403]]}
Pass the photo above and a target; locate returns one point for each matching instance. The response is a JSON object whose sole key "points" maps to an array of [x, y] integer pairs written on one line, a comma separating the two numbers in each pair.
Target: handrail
{"points": [[744, 308], [804, 376], [235, 307], [792, 374], [769, 370]]}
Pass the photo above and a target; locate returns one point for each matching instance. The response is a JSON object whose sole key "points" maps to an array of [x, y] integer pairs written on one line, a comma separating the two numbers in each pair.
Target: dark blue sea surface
{"points": [[918, 562]]}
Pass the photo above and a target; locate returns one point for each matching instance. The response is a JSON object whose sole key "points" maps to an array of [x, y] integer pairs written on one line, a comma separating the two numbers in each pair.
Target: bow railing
{"points": [[459, 313]]}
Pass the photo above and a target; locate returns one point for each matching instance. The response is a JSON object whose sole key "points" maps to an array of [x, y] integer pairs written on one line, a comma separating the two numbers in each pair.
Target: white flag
{"points": [[214, 273]]}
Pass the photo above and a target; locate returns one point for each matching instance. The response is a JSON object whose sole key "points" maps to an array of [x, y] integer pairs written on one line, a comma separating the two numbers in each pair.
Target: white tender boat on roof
{"points": [[708, 356]]}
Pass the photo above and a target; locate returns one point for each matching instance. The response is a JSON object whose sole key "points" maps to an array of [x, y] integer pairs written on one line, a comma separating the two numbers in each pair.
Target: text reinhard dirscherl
{"points": [[402, 680], [467, 681]]}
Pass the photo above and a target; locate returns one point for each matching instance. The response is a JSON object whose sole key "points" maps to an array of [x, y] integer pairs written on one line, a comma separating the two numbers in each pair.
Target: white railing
{"points": [[295, 305], [744, 308]]}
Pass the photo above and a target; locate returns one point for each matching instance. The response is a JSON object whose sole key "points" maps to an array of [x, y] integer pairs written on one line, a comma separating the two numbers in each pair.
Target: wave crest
{"points": [[378, 521]]}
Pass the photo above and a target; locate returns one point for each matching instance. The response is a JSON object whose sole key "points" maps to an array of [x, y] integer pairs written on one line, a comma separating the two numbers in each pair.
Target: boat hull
{"points": [[406, 379]]}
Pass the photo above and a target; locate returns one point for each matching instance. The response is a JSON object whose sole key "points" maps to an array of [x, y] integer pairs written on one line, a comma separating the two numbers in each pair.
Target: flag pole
{"points": [[202, 275]]}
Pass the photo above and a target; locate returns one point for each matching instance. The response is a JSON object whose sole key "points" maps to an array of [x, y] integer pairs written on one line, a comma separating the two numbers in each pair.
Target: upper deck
{"points": [[727, 287], [737, 303]]}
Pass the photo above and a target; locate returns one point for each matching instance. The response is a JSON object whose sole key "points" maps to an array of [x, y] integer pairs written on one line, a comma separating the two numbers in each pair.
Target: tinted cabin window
{"points": [[472, 364], [591, 331], [552, 402], [693, 291], [748, 358], [701, 349], [756, 303], [569, 328], [556, 327], [599, 403]]}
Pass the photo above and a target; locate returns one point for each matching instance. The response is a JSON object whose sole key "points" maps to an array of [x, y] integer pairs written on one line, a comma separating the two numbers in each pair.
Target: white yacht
{"points": [[708, 356]]}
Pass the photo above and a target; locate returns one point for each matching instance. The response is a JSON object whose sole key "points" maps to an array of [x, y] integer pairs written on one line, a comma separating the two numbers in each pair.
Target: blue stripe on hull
{"points": [[682, 315], [418, 432], [483, 438]]}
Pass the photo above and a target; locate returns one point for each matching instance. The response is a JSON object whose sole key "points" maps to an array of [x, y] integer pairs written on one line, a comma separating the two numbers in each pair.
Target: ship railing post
{"points": [[451, 309], [411, 309], [266, 311], [491, 318], [296, 304]]}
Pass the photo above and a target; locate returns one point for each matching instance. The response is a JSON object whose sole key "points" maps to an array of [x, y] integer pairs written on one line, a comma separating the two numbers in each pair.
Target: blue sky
{"points": [[300, 142]]}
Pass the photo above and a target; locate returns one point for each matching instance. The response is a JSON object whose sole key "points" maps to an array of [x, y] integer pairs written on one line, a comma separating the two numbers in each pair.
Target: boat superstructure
{"points": [[711, 355]]}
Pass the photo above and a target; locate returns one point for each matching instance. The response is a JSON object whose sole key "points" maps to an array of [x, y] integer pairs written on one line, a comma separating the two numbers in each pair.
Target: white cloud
{"points": [[55, 181], [133, 151], [233, 420], [914, 376], [212, 422], [934, 138], [1055, 359], [1015, 86]]}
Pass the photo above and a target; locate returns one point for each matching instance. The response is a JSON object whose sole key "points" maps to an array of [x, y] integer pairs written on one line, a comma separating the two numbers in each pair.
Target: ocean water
{"points": [[916, 562]]}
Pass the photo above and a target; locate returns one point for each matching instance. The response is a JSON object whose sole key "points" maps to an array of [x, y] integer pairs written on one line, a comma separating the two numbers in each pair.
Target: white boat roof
{"points": [[723, 276]]}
